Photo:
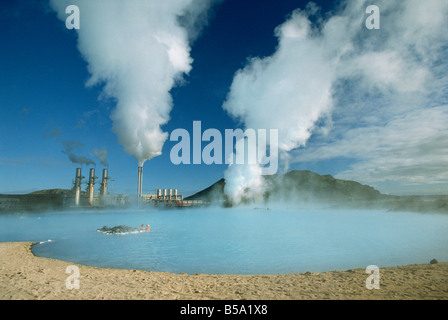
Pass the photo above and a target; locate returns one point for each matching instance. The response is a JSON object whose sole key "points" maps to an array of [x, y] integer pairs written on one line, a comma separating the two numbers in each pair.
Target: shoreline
{"points": [[23, 276]]}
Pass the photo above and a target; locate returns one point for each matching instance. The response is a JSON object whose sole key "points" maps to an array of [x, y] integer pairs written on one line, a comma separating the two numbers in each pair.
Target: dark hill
{"points": [[52, 192], [213, 193], [35, 201], [309, 186], [299, 186], [306, 187]]}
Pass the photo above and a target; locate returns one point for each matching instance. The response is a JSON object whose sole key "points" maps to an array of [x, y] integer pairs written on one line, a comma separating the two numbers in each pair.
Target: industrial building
{"points": [[169, 197], [162, 197], [89, 198]]}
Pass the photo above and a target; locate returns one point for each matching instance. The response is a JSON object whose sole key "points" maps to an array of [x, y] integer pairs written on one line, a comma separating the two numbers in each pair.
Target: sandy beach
{"points": [[25, 276]]}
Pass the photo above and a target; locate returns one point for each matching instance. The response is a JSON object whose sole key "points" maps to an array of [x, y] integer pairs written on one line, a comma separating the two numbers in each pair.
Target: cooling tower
{"points": [[103, 189], [78, 179], [140, 182], [91, 186]]}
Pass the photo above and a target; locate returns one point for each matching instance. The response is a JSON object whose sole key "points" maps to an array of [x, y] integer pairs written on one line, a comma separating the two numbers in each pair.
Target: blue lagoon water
{"points": [[234, 241]]}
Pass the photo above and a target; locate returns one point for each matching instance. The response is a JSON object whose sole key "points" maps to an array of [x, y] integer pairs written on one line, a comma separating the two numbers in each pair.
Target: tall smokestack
{"points": [[103, 189], [78, 179], [140, 182], [91, 186]]}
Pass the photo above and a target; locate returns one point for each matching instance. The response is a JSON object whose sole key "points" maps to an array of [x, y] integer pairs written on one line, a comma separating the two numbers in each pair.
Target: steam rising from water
{"points": [[139, 50], [288, 91]]}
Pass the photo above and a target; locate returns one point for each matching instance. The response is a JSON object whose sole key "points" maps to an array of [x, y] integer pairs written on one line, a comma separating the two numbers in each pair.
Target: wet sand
{"points": [[25, 276]]}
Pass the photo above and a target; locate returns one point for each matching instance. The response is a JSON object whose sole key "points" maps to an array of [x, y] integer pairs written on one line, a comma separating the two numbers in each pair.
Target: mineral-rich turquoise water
{"points": [[235, 241]]}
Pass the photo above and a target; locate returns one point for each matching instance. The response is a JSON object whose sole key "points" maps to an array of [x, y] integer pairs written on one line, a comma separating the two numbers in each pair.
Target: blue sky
{"points": [[47, 106]]}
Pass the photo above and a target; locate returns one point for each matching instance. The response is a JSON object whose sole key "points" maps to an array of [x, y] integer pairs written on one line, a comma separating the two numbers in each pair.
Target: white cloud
{"points": [[410, 149]]}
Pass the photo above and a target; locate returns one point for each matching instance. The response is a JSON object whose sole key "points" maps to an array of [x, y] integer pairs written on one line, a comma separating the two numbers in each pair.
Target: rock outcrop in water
{"points": [[118, 230]]}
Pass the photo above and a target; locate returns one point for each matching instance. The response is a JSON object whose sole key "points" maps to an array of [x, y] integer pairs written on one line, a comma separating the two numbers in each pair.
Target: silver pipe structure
{"points": [[140, 182], [103, 189], [91, 186], [78, 179]]}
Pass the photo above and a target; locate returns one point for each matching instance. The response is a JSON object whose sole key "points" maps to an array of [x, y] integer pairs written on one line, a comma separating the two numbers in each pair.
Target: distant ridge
{"points": [[35, 201], [52, 191], [307, 187], [214, 192], [299, 185]]}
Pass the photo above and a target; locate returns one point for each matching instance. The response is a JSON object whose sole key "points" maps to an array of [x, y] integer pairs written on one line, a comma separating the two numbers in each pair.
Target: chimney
{"points": [[103, 189], [78, 180], [91, 186], [140, 182]]}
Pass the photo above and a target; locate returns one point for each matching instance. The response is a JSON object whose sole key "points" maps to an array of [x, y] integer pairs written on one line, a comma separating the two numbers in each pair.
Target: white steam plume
{"points": [[102, 155], [288, 91], [138, 50], [335, 77], [243, 181]]}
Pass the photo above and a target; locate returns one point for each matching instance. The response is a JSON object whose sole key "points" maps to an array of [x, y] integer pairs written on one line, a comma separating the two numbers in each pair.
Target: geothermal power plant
{"points": [[168, 197], [89, 192]]}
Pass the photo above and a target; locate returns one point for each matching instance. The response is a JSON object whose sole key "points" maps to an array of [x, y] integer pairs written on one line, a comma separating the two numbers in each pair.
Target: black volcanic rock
{"points": [[118, 230], [434, 261]]}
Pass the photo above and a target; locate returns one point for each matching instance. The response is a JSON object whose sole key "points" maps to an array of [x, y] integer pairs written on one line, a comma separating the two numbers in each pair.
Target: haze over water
{"points": [[235, 241]]}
